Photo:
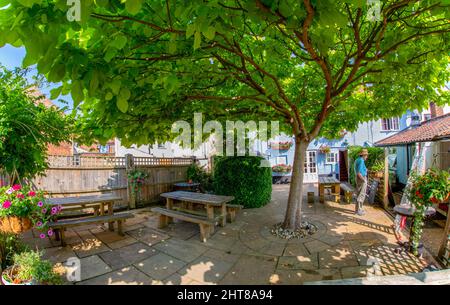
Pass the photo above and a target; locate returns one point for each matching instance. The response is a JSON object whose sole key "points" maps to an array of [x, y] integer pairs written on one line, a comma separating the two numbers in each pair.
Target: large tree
{"points": [[318, 66]]}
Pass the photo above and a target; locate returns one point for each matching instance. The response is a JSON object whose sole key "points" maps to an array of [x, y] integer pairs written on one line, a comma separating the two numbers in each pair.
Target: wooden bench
{"points": [[61, 225], [206, 225], [348, 190], [232, 210]]}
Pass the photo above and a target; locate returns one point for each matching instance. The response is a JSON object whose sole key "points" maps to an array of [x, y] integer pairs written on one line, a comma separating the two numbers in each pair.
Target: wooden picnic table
{"points": [[209, 201], [97, 202], [329, 182]]}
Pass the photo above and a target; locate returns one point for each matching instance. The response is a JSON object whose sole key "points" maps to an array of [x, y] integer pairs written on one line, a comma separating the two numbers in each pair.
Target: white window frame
{"points": [[391, 123], [335, 158]]}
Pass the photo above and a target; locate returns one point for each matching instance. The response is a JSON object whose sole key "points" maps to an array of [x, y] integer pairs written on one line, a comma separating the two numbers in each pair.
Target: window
{"points": [[331, 158], [103, 149], [310, 162], [389, 124]]}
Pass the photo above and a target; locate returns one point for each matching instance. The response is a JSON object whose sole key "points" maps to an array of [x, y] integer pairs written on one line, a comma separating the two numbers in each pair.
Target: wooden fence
{"points": [[84, 175]]}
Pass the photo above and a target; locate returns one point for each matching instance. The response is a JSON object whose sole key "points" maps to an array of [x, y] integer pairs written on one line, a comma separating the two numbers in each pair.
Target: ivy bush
{"points": [[243, 178]]}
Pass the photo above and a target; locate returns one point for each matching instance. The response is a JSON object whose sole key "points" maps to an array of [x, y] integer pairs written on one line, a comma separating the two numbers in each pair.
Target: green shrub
{"points": [[198, 174], [10, 244], [31, 266], [375, 161], [243, 178]]}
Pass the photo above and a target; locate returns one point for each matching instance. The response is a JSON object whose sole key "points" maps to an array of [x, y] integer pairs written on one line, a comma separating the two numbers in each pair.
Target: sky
{"points": [[12, 57]]}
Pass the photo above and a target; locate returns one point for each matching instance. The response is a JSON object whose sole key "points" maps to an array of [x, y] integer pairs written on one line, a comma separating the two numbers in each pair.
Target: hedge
{"points": [[243, 178]]}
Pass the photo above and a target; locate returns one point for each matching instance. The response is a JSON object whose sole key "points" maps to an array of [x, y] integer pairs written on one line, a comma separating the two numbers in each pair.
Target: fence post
{"points": [[129, 165]]}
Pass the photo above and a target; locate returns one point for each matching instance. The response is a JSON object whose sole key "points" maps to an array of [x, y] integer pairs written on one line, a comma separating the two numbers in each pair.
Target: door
{"points": [[311, 175]]}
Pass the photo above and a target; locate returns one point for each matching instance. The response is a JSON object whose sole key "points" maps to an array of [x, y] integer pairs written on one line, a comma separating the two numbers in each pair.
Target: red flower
{"points": [[17, 187], [434, 200], [32, 194], [20, 196], [418, 194]]}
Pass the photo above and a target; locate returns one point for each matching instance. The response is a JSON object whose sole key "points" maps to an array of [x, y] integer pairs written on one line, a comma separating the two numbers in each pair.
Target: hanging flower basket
{"points": [[281, 145], [325, 149], [282, 168], [14, 224]]}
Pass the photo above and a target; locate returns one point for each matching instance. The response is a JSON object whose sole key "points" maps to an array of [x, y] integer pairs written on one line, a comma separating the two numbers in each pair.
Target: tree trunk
{"points": [[292, 218]]}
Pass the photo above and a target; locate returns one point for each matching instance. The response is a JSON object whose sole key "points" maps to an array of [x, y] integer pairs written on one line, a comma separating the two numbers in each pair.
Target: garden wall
{"points": [[81, 175]]}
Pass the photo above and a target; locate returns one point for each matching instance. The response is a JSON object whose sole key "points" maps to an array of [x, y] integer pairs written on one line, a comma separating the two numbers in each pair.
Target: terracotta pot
{"points": [[7, 282], [14, 224]]}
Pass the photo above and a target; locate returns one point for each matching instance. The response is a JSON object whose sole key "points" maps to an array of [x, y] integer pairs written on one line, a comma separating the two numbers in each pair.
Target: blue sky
{"points": [[12, 57]]}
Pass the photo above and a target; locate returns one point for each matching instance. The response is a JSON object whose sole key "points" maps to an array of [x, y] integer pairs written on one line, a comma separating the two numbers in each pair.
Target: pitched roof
{"points": [[432, 130]]}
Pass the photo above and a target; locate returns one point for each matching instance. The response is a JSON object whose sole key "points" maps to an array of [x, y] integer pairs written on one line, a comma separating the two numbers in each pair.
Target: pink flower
{"points": [[50, 232], [44, 211], [39, 224], [59, 208], [17, 187], [10, 191], [54, 210], [42, 236], [40, 204], [20, 196], [32, 194], [6, 204]]}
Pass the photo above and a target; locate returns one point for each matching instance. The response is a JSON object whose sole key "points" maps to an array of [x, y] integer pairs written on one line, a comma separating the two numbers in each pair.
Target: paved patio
{"points": [[243, 252]]}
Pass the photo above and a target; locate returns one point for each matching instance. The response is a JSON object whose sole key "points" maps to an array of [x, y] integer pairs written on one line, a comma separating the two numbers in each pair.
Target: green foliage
{"points": [[136, 179], [198, 174], [424, 190], [10, 244], [375, 161], [136, 66], [26, 127], [243, 178], [32, 267]]}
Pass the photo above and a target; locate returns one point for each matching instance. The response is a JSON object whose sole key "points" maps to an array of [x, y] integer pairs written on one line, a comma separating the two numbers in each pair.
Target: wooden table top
{"points": [[198, 197], [69, 201], [328, 180]]}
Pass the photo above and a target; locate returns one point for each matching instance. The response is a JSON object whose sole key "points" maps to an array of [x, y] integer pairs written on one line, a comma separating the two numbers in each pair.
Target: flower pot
{"points": [[6, 278], [14, 224]]}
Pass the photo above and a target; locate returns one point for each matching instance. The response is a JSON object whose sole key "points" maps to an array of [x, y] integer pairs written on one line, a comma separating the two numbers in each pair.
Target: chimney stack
{"points": [[435, 110]]}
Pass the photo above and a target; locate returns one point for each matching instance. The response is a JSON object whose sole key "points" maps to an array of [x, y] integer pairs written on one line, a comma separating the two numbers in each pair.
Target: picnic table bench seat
{"points": [[206, 225], [348, 191], [61, 225]]}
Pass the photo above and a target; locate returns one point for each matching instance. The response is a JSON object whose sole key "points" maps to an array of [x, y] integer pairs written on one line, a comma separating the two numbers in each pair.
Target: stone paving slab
{"points": [[160, 266], [181, 249], [128, 255], [251, 269], [206, 270], [125, 276], [148, 236], [93, 266]]}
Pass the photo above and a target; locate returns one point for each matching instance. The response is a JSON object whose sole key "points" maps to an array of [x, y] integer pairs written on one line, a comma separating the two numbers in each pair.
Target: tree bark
{"points": [[292, 218]]}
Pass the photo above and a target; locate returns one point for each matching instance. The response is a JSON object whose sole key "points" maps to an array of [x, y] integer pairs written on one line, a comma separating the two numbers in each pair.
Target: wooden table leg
{"points": [[445, 237], [169, 206], [110, 213], [102, 209], [337, 192], [210, 215], [223, 221], [321, 193]]}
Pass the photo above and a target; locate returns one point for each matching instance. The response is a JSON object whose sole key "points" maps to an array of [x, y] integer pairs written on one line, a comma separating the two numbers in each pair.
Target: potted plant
{"points": [[22, 208], [430, 188], [30, 269], [377, 169], [281, 145]]}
